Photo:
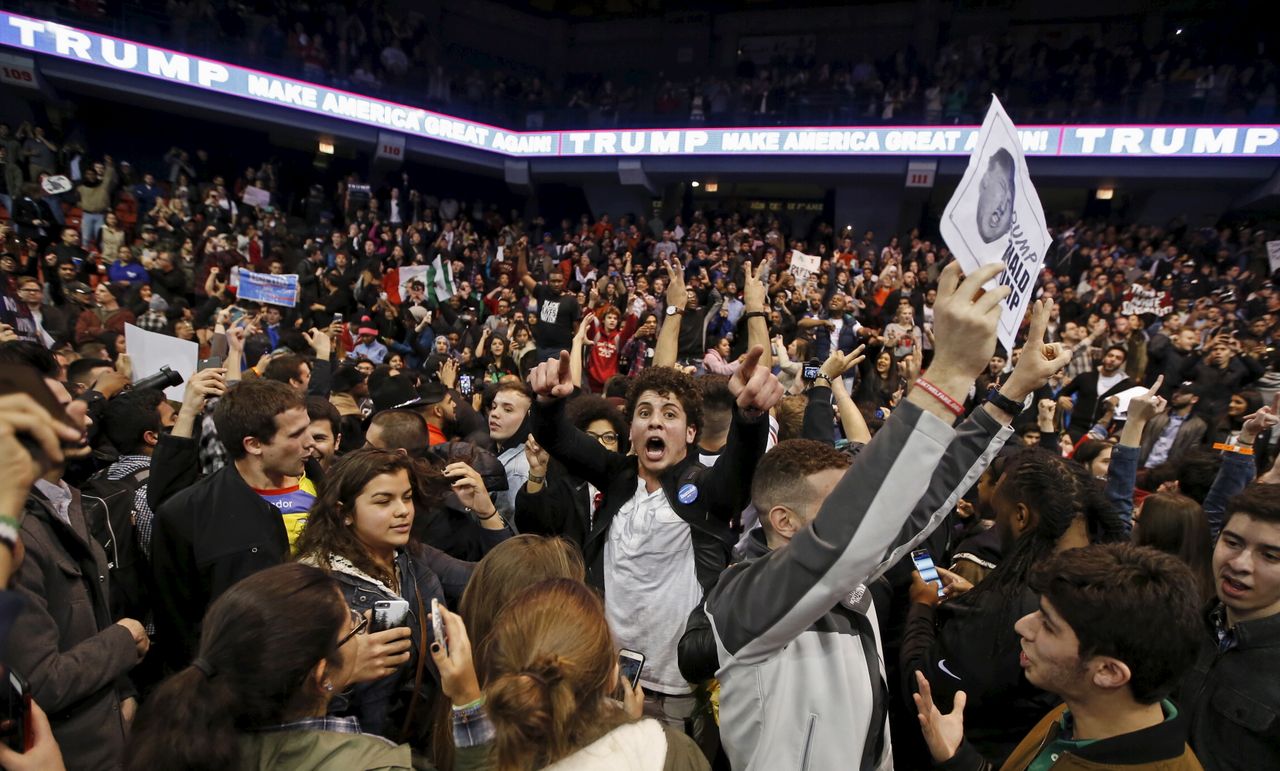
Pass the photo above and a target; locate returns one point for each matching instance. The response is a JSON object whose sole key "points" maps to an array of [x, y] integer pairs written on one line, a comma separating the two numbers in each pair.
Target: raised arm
{"points": [[1122, 476], [879, 509], [667, 349], [1238, 469], [552, 382], [753, 296]]}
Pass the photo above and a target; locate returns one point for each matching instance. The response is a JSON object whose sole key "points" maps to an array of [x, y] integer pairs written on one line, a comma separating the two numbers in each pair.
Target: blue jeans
{"points": [[90, 225]]}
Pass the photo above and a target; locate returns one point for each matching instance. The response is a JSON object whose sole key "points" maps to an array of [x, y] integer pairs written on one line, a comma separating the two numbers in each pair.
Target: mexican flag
{"points": [[436, 277]]}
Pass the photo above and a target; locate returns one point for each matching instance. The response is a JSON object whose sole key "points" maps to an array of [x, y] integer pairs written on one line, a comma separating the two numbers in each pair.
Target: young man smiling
{"points": [[660, 536], [1115, 632]]}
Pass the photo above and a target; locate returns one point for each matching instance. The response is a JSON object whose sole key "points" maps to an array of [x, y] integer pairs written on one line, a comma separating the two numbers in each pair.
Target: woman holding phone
{"points": [[275, 650], [551, 673], [359, 530]]}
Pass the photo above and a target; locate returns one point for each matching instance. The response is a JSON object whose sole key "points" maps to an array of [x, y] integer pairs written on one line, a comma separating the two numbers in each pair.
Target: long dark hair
{"points": [[261, 640], [1175, 524], [1058, 491], [326, 533]]}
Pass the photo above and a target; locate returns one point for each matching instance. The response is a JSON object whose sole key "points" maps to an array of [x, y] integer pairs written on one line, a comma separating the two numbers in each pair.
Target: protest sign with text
{"points": [[804, 265], [1143, 299], [996, 216], [268, 288]]}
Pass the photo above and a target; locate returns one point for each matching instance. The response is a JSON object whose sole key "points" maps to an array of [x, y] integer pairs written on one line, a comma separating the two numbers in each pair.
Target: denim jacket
{"points": [[424, 572]]}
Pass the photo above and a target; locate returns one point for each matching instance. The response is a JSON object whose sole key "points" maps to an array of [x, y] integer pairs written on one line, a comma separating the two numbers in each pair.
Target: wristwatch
{"points": [[1004, 403], [674, 311]]}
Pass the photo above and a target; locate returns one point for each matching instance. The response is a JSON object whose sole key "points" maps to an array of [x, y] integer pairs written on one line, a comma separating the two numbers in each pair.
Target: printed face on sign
{"points": [[995, 196]]}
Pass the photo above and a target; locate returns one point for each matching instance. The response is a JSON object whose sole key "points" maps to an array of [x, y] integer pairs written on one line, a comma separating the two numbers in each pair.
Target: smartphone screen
{"points": [[464, 385], [925, 567], [15, 713], [629, 664], [437, 625], [388, 614]]}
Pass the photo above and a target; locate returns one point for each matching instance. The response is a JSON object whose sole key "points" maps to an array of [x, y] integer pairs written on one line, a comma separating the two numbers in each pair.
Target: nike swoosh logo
{"points": [[942, 664]]}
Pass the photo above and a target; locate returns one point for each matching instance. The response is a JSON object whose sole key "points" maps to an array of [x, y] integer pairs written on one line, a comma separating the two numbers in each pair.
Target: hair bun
{"points": [[547, 670]]}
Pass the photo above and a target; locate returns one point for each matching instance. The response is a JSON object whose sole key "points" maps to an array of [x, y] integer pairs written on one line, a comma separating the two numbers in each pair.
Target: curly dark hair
{"points": [[588, 408], [670, 381], [326, 533]]}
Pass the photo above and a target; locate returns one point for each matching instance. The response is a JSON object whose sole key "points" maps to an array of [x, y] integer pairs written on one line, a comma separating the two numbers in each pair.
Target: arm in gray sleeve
{"points": [[899, 488]]}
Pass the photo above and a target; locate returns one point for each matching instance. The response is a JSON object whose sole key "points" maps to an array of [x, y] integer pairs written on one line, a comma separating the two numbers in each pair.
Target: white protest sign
{"points": [[55, 185], [1273, 255], [804, 265], [256, 196], [995, 216], [149, 351], [1124, 397], [501, 255]]}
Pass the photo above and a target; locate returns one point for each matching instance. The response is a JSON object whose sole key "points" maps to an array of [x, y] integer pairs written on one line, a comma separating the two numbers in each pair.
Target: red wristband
{"points": [[940, 395]]}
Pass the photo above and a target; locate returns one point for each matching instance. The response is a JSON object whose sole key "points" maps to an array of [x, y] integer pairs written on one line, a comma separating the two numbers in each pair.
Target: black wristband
{"points": [[1004, 403], [753, 314]]}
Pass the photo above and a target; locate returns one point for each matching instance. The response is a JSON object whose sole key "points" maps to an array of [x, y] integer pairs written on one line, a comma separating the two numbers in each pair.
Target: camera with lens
{"points": [[161, 380]]}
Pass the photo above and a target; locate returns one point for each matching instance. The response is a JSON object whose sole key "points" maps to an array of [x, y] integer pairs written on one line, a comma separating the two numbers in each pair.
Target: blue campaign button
{"points": [[688, 494]]}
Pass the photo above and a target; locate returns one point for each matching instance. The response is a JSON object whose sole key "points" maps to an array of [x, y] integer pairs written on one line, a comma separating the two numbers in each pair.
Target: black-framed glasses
{"points": [[360, 623], [608, 437]]}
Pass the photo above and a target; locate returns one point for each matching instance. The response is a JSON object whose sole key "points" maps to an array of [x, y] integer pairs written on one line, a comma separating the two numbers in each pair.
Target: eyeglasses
{"points": [[608, 437], [359, 623]]}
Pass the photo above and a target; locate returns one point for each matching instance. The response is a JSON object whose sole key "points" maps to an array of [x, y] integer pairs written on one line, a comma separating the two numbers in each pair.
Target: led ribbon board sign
{"points": [[1093, 141]]}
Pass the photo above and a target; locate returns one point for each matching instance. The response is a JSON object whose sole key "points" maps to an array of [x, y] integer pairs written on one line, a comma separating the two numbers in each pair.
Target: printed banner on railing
{"points": [[53, 39]]}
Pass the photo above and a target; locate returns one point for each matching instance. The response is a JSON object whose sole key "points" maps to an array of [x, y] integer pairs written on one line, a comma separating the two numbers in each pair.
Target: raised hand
{"points": [[942, 733], [538, 457], [1144, 407], [964, 323], [1260, 421], [319, 342], [470, 488], [457, 670], [1040, 359], [839, 362], [676, 295], [552, 379], [448, 373], [755, 388], [753, 291]]}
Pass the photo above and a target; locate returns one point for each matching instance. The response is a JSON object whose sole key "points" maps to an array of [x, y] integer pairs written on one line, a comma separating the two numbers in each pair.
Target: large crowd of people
{"points": [[414, 521], [377, 49]]}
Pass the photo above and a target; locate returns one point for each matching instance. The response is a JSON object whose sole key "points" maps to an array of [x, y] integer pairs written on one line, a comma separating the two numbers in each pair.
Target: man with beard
{"points": [[1092, 390]]}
